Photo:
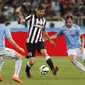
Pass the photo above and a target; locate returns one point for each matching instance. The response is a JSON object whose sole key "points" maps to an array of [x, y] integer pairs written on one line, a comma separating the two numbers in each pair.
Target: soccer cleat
{"points": [[29, 75], [55, 70], [16, 79], [1, 79]]}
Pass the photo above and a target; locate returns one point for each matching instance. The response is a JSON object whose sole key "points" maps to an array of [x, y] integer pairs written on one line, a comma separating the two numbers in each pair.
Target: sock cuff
{"points": [[74, 62], [28, 64], [19, 59], [47, 57]]}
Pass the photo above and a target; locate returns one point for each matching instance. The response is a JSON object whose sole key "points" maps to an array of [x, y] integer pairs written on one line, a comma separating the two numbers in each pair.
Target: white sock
{"points": [[1, 62], [28, 64], [47, 57], [79, 65], [17, 67]]}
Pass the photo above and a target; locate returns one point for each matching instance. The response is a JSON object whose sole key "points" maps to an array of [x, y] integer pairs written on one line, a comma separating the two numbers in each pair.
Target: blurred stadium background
{"points": [[56, 10]]}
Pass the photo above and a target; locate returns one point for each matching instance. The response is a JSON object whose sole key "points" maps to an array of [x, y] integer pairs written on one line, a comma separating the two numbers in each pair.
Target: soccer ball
{"points": [[44, 69]]}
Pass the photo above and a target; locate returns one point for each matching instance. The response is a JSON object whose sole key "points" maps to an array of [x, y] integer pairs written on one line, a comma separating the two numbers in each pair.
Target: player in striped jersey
{"points": [[36, 24]]}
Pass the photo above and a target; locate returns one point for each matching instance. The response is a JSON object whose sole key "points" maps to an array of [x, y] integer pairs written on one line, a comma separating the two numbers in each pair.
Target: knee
{"points": [[32, 62], [72, 61], [18, 56]]}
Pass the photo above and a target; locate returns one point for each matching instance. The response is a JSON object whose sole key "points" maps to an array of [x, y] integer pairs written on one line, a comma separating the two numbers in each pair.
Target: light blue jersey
{"points": [[72, 36], [4, 33]]}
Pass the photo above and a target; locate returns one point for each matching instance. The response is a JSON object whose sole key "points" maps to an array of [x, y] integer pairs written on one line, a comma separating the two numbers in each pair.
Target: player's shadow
{"points": [[45, 77]]}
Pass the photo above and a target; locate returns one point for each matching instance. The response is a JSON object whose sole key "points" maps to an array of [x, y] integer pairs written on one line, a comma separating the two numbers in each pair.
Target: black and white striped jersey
{"points": [[35, 25]]}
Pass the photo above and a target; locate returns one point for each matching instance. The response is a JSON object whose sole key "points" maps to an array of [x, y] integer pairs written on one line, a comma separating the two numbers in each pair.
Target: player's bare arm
{"points": [[21, 18], [53, 37], [14, 44], [47, 36]]}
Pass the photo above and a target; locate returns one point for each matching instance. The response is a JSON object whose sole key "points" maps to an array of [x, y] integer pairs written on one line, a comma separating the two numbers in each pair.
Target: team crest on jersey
{"points": [[39, 23], [72, 30], [39, 26]]}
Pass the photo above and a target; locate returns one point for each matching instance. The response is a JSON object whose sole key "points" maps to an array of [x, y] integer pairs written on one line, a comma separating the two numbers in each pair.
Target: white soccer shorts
{"points": [[8, 53], [76, 52]]}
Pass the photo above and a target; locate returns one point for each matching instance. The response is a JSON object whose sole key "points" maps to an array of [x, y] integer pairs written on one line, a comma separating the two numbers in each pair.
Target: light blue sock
{"points": [[79, 65], [1, 62], [17, 67]]}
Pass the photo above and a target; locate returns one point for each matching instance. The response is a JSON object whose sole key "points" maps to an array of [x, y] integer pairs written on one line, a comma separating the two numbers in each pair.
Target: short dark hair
{"points": [[69, 16], [2, 18], [41, 6]]}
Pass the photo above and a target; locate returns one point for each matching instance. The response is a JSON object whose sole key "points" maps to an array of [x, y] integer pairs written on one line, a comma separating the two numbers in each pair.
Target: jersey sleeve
{"points": [[79, 30], [28, 18], [7, 33], [60, 32]]}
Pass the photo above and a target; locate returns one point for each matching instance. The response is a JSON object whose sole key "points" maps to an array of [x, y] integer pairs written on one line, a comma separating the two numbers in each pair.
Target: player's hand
{"points": [[20, 15], [45, 38], [21, 18], [21, 49], [53, 43], [82, 49]]}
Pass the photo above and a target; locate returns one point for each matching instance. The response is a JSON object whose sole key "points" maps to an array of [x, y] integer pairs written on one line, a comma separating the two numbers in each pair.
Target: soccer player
{"points": [[36, 24], [7, 52], [74, 41]]}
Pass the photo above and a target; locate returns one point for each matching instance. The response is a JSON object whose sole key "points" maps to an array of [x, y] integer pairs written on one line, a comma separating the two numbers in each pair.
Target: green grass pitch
{"points": [[68, 74]]}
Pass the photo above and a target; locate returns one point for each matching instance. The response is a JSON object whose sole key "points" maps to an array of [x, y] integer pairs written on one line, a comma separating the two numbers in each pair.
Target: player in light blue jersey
{"points": [[7, 52], [74, 41]]}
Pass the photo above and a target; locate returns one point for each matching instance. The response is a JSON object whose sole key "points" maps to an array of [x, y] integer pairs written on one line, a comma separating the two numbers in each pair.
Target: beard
{"points": [[40, 16], [69, 26]]}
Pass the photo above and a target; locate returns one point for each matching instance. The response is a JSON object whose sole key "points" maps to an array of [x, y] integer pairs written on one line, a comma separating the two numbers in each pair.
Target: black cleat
{"points": [[29, 75], [54, 71]]}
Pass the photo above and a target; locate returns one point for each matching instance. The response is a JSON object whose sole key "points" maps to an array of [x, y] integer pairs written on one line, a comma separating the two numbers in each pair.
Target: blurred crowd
{"points": [[54, 8]]}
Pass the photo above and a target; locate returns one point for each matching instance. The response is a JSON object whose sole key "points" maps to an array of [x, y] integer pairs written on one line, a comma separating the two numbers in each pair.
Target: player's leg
{"points": [[41, 48], [1, 64], [31, 56], [49, 61], [11, 54], [18, 64], [81, 55], [72, 53], [29, 64]]}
